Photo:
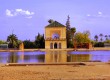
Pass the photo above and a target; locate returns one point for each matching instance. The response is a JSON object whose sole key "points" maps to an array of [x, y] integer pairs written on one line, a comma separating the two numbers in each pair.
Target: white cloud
{"points": [[100, 13], [24, 12], [88, 15], [16, 12], [9, 13]]}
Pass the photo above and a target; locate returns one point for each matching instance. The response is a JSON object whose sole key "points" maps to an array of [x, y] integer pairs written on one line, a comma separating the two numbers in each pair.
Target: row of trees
{"points": [[39, 42], [100, 37], [2, 42], [13, 42]]}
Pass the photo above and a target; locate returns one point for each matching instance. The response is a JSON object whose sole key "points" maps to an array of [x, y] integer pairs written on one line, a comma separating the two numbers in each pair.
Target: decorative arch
{"points": [[55, 36]]}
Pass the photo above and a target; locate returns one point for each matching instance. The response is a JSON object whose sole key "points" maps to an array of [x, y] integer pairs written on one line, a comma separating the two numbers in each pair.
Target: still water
{"points": [[54, 56]]}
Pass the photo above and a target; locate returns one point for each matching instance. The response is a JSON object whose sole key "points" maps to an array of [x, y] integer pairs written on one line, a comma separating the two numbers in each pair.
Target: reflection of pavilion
{"points": [[62, 56], [56, 56]]}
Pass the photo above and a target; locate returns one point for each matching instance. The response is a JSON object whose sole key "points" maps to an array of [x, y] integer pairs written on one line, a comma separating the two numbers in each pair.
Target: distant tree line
{"points": [[100, 39], [39, 42], [3, 42], [13, 42]]}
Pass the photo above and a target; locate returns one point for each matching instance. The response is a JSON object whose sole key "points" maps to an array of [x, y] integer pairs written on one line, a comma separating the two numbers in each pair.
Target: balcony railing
{"points": [[54, 39]]}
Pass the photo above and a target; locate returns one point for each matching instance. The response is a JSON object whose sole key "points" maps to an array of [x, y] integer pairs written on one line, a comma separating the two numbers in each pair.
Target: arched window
{"points": [[55, 36], [59, 45]]}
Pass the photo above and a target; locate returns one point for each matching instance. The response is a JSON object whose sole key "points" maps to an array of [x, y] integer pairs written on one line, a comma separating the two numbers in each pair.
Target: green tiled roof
{"points": [[55, 24]]}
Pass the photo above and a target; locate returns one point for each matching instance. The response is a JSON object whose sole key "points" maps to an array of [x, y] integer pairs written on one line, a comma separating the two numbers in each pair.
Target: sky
{"points": [[27, 18]]}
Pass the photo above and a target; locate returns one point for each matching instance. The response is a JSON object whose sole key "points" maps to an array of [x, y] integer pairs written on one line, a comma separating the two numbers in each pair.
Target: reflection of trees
{"points": [[27, 57], [41, 58], [78, 57], [13, 57], [1, 58], [50, 56]]}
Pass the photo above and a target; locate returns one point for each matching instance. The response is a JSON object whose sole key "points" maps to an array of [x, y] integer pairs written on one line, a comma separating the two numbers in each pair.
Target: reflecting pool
{"points": [[54, 56]]}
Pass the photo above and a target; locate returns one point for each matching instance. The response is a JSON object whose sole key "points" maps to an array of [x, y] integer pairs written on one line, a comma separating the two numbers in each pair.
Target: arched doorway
{"points": [[55, 45], [59, 45], [51, 45]]}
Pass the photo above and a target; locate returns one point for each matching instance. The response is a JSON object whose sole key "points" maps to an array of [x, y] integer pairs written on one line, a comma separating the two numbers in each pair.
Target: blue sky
{"points": [[26, 18]]}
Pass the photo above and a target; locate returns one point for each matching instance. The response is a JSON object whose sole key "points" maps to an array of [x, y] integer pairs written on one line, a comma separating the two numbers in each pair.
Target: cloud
{"points": [[24, 12], [9, 13], [88, 15], [98, 15], [16, 12]]}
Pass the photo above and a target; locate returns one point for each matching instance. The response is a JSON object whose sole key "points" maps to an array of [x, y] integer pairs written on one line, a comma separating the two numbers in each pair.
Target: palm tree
{"points": [[106, 37], [101, 35], [109, 37], [96, 38], [13, 41]]}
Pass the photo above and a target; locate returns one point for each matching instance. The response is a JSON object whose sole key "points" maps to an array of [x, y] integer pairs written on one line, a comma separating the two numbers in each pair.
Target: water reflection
{"points": [[79, 57], [22, 57], [62, 56], [12, 58], [3, 57], [54, 56], [25, 57]]}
